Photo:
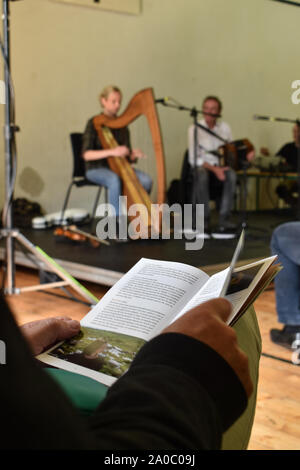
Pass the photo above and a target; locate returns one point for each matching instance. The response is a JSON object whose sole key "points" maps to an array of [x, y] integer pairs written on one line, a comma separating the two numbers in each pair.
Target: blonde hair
{"points": [[107, 90]]}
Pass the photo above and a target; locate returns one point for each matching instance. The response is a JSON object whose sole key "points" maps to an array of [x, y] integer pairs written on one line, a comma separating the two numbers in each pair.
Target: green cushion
{"points": [[85, 393]]}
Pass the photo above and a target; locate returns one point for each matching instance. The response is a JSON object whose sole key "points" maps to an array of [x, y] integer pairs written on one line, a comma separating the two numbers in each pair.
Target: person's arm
{"points": [[91, 146], [137, 154], [35, 413], [219, 171], [183, 390], [119, 151]]}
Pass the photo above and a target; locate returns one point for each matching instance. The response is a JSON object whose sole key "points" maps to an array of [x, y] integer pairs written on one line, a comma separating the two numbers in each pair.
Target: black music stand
{"points": [[194, 114]]}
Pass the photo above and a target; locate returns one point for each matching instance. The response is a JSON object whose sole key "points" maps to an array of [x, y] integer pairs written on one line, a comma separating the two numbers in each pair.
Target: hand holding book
{"points": [[207, 323], [151, 296]]}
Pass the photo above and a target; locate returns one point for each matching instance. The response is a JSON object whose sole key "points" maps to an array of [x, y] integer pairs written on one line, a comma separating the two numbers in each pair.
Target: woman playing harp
{"points": [[95, 156]]}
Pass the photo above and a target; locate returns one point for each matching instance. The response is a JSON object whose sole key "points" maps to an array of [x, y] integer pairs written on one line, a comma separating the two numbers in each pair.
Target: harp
{"points": [[142, 103]]}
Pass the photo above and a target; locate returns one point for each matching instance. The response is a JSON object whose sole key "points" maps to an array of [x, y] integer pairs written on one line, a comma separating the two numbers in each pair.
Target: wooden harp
{"points": [[141, 104]]}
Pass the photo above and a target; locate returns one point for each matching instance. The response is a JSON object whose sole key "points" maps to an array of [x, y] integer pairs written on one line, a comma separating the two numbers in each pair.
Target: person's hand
{"points": [[137, 153], [41, 334], [250, 155], [206, 323], [220, 171], [121, 151]]}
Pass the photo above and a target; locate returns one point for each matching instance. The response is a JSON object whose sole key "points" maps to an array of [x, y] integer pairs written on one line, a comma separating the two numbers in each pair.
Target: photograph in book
{"points": [[241, 280], [99, 350]]}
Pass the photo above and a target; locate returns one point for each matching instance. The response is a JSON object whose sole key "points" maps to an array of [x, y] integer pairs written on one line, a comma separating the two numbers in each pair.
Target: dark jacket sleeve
{"points": [[178, 394], [34, 412]]}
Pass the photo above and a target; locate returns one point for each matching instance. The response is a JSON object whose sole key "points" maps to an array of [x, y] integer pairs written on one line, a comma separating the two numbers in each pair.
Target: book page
{"points": [[211, 290], [134, 310], [262, 284], [217, 285], [143, 301], [244, 280]]}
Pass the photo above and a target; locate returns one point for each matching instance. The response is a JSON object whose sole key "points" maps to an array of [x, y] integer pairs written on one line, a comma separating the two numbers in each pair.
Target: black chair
{"points": [[78, 177]]}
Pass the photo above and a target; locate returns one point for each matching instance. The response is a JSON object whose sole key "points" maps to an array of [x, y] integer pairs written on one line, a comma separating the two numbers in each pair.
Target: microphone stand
{"points": [[194, 112], [8, 231]]}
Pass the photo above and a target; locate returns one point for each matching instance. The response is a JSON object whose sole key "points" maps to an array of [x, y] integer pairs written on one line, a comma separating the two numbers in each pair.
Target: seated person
{"points": [[95, 157], [289, 152], [164, 401], [211, 177], [285, 244], [288, 191]]}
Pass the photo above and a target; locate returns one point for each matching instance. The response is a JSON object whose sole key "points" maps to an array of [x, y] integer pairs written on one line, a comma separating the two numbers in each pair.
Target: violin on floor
{"points": [[71, 232]]}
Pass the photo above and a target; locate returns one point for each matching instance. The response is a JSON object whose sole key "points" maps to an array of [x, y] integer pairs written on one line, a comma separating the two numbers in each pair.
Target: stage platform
{"points": [[106, 264]]}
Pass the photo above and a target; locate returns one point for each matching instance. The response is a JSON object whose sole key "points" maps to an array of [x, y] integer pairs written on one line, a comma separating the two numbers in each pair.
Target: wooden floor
{"points": [[277, 421]]}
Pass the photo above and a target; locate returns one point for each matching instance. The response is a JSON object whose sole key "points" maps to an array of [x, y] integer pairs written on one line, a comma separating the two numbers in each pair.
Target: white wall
{"points": [[245, 51]]}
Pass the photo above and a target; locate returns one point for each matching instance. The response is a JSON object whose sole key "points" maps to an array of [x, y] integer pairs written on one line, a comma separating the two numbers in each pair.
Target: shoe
{"points": [[286, 336], [191, 231], [198, 234], [206, 235], [223, 233], [225, 222]]}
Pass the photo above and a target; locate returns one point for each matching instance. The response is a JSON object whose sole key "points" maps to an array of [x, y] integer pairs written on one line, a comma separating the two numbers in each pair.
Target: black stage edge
{"points": [[106, 264]]}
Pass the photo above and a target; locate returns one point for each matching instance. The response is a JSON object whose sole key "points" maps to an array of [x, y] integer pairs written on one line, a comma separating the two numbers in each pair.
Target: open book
{"points": [[143, 302]]}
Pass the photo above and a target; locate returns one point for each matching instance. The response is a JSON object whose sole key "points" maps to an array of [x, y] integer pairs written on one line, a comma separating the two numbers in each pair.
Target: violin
{"points": [[71, 232]]}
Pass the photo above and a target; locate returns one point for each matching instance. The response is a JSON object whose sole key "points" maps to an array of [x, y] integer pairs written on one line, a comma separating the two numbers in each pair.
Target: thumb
{"points": [[41, 334]]}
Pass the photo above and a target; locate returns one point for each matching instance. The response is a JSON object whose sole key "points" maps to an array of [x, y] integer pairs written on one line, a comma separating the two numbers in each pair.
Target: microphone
{"points": [[264, 118], [162, 100], [272, 118]]}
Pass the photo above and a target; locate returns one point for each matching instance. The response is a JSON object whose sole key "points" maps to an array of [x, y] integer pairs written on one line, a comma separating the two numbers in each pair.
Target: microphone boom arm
{"points": [[271, 118]]}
